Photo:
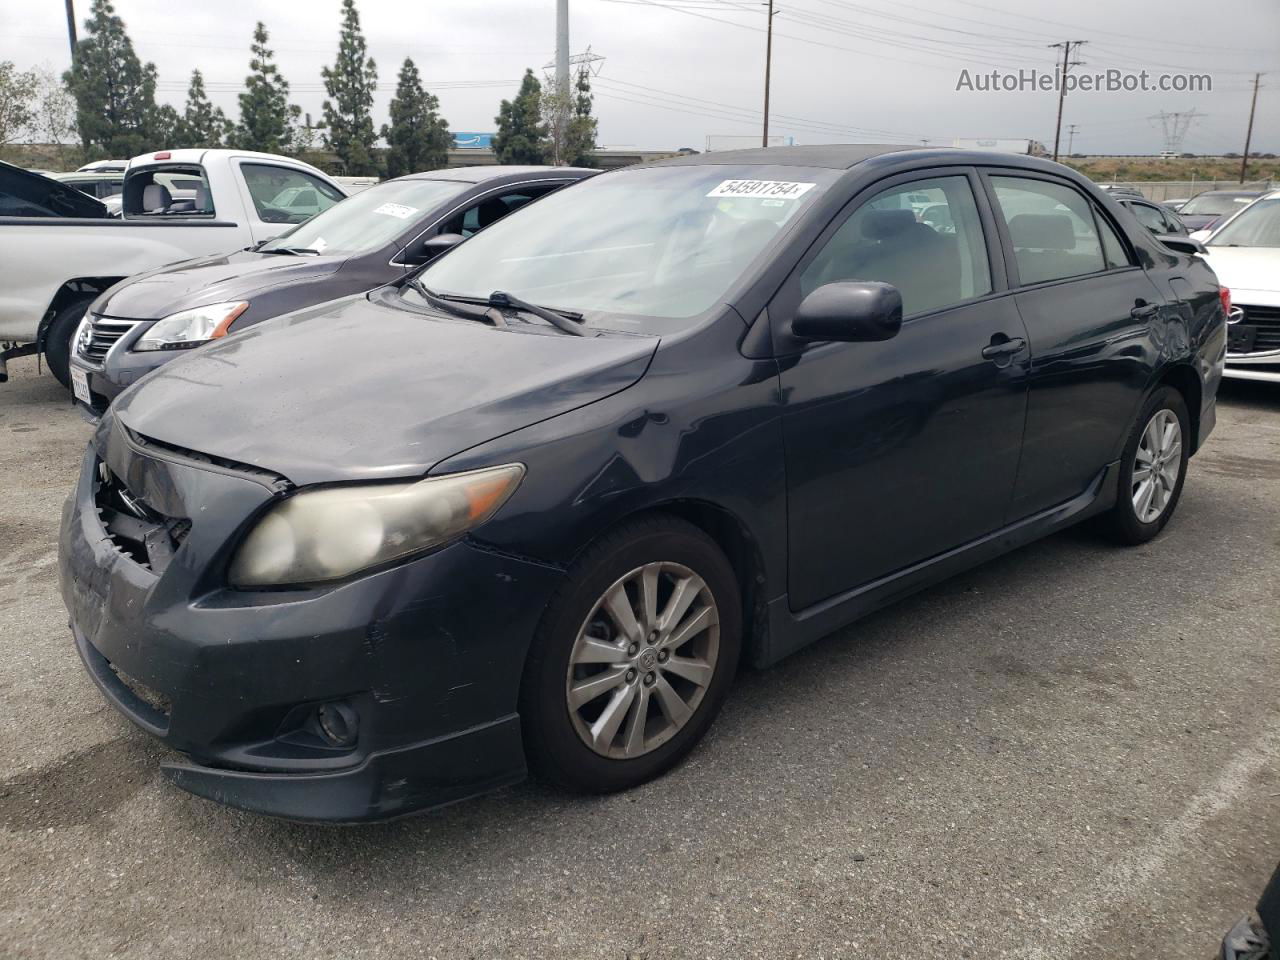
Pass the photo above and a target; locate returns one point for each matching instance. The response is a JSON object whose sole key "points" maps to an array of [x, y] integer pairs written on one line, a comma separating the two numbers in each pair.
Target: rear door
{"points": [[901, 450], [1089, 309]]}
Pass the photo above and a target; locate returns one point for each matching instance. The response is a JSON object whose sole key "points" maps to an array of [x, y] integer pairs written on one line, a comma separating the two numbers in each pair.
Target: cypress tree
{"points": [[418, 136], [522, 136], [266, 114], [351, 82], [115, 92]]}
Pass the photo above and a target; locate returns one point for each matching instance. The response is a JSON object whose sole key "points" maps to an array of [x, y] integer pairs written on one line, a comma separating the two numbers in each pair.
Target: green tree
{"points": [[580, 139], [266, 115], [115, 92], [164, 126], [522, 136], [18, 96], [418, 136], [201, 124], [351, 82]]}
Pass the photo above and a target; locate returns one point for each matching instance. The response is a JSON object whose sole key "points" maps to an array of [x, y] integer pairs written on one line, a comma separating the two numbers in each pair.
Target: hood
{"points": [[1252, 274], [356, 390], [1198, 221], [216, 279]]}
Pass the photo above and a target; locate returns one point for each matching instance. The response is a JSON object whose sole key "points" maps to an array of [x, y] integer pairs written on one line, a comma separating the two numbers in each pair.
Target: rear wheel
{"points": [[1152, 469], [59, 336], [633, 659]]}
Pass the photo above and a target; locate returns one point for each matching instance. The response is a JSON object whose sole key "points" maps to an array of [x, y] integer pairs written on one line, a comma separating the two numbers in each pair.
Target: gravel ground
{"points": [[1070, 753]]}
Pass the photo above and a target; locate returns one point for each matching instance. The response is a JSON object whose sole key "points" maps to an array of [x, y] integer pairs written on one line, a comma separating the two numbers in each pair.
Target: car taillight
{"points": [[1224, 294]]}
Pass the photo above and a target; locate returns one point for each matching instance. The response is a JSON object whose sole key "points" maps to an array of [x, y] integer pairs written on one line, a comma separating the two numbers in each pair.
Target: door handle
{"points": [[999, 349], [1143, 310]]}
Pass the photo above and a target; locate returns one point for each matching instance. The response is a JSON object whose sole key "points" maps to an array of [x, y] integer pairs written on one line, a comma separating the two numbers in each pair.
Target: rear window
{"points": [[1216, 204], [173, 190]]}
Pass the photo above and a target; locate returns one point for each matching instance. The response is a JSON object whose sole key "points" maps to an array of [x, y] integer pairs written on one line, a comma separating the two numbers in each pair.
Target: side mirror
{"points": [[851, 311], [1176, 241], [424, 251]]}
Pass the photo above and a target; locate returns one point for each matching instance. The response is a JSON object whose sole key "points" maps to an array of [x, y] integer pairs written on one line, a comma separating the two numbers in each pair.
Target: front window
{"points": [[369, 220], [925, 238], [1214, 204], [638, 249], [285, 195], [1257, 226]]}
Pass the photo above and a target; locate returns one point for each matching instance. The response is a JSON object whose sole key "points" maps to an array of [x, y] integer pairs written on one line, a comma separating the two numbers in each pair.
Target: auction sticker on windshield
{"points": [[769, 189], [398, 210]]}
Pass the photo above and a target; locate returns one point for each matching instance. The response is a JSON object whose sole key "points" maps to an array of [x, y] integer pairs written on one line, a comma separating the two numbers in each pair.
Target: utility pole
{"points": [[768, 64], [1071, 137], [1253, 106], [562, 76], [71, 28], [1067, 64]]}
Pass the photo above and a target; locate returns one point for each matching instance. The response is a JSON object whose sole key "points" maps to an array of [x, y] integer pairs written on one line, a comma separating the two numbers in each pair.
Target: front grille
{"points": [[99, 335], [1258, 331], [146, 537]]}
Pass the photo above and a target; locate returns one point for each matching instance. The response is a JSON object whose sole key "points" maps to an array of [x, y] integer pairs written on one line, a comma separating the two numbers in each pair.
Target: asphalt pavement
{"points": [[1072, 752]]}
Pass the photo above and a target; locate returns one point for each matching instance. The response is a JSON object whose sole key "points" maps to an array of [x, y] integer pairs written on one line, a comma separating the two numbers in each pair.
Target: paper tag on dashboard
{"points": [[398, 210], [765, 189]]}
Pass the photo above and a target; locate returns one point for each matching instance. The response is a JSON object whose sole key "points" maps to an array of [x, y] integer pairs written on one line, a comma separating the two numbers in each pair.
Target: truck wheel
{"points": [[58, 336]]}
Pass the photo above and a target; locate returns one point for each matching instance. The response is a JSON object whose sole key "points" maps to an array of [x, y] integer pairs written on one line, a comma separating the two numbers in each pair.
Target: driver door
{"points": [[901, 450]]}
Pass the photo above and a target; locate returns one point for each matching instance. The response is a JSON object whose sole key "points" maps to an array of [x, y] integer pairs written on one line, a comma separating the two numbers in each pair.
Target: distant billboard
{"points": [[472, 141]]}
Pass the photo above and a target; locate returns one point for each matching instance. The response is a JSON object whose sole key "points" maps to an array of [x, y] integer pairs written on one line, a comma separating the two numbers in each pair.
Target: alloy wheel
{"points": [[1157, 464], [643, 660]]}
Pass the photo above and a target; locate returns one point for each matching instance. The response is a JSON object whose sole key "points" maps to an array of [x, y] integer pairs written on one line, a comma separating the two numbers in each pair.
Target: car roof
{"points": [[492, 172], [835, 156], [1230, 193]]}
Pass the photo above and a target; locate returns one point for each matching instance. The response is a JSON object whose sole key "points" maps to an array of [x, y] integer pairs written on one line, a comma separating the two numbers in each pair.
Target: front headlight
{"points": [[331, 533], [190, 328]]}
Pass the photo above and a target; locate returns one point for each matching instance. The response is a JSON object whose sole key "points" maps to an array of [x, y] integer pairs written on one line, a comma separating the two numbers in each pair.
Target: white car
{"points": [[1245, 254], [177, 204]]}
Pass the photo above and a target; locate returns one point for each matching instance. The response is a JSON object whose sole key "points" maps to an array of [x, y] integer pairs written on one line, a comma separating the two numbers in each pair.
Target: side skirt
{"points": [[790, 630]]}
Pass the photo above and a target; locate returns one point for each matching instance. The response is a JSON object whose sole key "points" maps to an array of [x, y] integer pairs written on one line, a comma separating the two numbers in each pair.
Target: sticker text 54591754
{"points": [[764, 189]]}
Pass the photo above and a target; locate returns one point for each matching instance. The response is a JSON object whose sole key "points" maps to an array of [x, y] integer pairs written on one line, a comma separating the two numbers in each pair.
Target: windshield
{"points": [[635, 249], [369, 220], [1215, 204], [1258, 226]]}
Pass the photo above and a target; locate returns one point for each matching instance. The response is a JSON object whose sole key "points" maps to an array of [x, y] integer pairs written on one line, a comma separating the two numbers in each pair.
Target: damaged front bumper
{"points": [[379, 696]]}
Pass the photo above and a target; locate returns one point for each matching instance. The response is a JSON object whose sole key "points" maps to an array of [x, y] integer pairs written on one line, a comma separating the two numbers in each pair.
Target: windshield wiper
{"points": [[453, 306], [292, 251], [568, 322]]}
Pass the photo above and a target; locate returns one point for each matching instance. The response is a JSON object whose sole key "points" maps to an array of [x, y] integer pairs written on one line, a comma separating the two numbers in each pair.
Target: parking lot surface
{"points": [[1071, 752]]}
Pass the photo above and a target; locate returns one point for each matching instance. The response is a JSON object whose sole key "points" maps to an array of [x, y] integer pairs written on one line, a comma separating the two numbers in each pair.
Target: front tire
{"points": [[1152, 469], [633, 658], [58, 337]]}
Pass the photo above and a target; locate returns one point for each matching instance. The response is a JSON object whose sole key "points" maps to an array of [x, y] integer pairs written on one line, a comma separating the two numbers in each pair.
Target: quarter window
{"points": [[1111, 245], [282, 195], [1051, 227], [923, 237]]}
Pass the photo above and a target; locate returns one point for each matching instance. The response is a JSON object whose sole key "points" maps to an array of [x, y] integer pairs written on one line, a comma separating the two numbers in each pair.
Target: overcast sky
{"points": [[676, 71]]}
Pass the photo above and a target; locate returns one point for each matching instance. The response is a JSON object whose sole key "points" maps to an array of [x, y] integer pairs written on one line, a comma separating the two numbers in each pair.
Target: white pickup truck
{"points": [[177, 205]]}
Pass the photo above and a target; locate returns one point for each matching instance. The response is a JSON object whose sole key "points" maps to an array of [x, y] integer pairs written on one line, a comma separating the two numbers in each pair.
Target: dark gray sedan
{"points": [[365, 241]]}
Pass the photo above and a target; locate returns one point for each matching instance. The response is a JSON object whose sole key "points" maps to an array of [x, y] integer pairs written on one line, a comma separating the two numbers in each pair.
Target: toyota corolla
{"points": [[532, 505]]}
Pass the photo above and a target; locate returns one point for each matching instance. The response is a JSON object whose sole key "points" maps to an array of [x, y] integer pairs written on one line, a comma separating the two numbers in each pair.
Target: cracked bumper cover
{"points": [[428, 654]]}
